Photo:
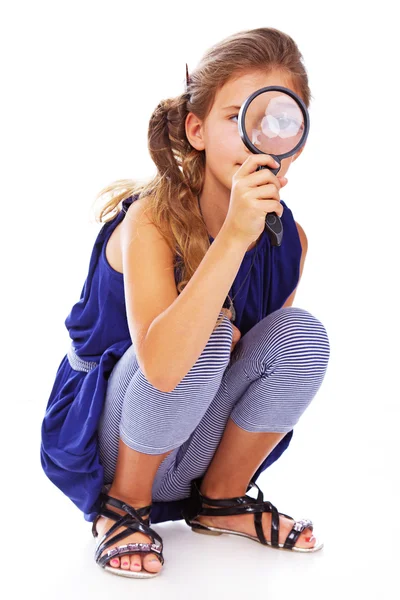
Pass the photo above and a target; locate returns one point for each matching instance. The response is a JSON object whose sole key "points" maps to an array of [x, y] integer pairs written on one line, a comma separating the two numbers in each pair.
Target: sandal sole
{"points": [[134, 574], [216, 531]]}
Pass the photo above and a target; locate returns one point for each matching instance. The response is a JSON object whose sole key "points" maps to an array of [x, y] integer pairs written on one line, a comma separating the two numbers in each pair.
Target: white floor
{"points": [[341, 476]]}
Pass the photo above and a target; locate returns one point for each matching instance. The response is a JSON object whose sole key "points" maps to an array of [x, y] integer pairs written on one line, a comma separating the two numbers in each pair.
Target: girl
{"points": [[162, 407]]}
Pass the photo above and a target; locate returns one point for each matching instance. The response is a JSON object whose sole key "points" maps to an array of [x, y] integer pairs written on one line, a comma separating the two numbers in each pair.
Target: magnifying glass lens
{"points": [[274, 122]]}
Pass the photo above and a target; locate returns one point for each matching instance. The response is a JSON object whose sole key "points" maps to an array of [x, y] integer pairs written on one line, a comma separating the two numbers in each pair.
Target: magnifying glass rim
{"points": [[242, 115]]}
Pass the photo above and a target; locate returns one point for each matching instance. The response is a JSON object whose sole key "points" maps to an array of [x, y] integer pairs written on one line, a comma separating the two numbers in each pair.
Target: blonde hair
{"points": [[173, 191]]}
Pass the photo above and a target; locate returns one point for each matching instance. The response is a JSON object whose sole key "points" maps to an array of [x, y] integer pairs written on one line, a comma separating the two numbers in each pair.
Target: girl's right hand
{"points": [[253, 195]]}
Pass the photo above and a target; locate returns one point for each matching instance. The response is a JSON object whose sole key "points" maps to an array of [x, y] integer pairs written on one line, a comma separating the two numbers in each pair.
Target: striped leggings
{"points": [[266, 384]]}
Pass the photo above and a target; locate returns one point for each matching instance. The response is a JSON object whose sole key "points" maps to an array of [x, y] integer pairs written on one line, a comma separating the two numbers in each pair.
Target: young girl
{"points": [[163, 408]]}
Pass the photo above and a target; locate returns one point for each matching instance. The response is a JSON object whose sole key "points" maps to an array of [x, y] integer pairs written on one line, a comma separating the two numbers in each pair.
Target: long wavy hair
{"points": [[173, 191]]}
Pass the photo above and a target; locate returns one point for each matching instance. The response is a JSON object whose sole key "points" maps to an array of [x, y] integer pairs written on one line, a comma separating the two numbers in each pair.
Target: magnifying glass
{"points": [[275, 121]]}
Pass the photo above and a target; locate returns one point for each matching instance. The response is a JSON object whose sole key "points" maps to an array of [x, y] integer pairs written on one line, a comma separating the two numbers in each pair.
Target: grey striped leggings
{"points": [[266, 384]]}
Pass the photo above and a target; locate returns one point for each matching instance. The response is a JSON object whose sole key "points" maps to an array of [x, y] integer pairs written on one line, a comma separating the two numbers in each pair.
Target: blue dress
{"points": [[98, 328]]}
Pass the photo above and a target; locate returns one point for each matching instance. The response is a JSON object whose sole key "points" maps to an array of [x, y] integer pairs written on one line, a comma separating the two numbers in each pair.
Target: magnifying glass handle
{"points": [[274, 228], [273, 224]]}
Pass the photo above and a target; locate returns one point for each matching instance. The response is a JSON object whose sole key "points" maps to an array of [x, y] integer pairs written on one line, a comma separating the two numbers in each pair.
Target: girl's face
{"points": [[218, 135]]}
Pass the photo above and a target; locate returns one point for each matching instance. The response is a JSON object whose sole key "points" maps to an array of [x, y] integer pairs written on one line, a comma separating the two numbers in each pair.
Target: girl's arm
{"points": [[170, 331]]}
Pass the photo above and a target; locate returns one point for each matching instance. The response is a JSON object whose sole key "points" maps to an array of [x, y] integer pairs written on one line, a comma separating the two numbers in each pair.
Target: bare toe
{"points": [[136, 563], [125, 562], [306, 539], [151, 563], [114, 563]]}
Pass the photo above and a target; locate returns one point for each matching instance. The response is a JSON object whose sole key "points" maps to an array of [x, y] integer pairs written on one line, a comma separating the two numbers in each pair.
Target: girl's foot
{"points": [[133, 562], [245, 524]]}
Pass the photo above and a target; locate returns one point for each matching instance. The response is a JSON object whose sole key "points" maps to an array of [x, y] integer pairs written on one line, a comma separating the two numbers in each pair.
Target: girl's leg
{"points": [[275, 372], [141, 426]]}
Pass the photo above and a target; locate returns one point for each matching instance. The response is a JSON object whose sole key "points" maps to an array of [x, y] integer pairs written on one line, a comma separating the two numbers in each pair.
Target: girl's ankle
{"points": [[124, 497]]}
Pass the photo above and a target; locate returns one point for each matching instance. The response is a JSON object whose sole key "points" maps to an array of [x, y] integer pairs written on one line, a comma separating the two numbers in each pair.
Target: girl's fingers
{"points": [[253, 161]]}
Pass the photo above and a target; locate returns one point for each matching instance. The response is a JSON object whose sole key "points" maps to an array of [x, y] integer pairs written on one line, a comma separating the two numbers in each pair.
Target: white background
{"points": [[79, 83]]}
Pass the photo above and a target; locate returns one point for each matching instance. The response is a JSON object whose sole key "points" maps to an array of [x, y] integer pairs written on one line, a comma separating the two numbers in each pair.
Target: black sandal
{"points": [[134, 521], [240, 505]]}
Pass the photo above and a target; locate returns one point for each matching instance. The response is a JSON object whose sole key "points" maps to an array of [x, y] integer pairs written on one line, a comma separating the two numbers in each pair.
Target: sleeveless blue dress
{"points": [[98, 328]]}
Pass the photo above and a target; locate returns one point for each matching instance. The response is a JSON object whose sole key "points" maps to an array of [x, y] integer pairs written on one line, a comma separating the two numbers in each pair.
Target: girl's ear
{"points": [[194, 131]]}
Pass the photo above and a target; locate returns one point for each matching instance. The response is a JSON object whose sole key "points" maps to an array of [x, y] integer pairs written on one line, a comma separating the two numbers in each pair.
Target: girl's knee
{"points": [[300, 322], [298, 331]]}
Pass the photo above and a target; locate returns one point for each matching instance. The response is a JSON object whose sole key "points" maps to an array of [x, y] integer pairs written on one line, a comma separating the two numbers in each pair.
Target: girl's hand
{"points": [[253, 195], [236, 333]]}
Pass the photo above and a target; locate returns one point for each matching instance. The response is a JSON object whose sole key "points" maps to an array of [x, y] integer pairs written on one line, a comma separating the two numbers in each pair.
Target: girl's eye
{"points": [[233, 117]]}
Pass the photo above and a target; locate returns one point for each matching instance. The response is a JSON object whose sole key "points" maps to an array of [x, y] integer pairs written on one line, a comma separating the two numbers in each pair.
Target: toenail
{"points": [[124, 563], [136, 564]]}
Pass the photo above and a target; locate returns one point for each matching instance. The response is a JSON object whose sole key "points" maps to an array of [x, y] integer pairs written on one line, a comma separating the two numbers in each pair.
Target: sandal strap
{"points": [[266, 507], [110, 514], [229, 506], [274, 525], [134, 512], [104, 511]]}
